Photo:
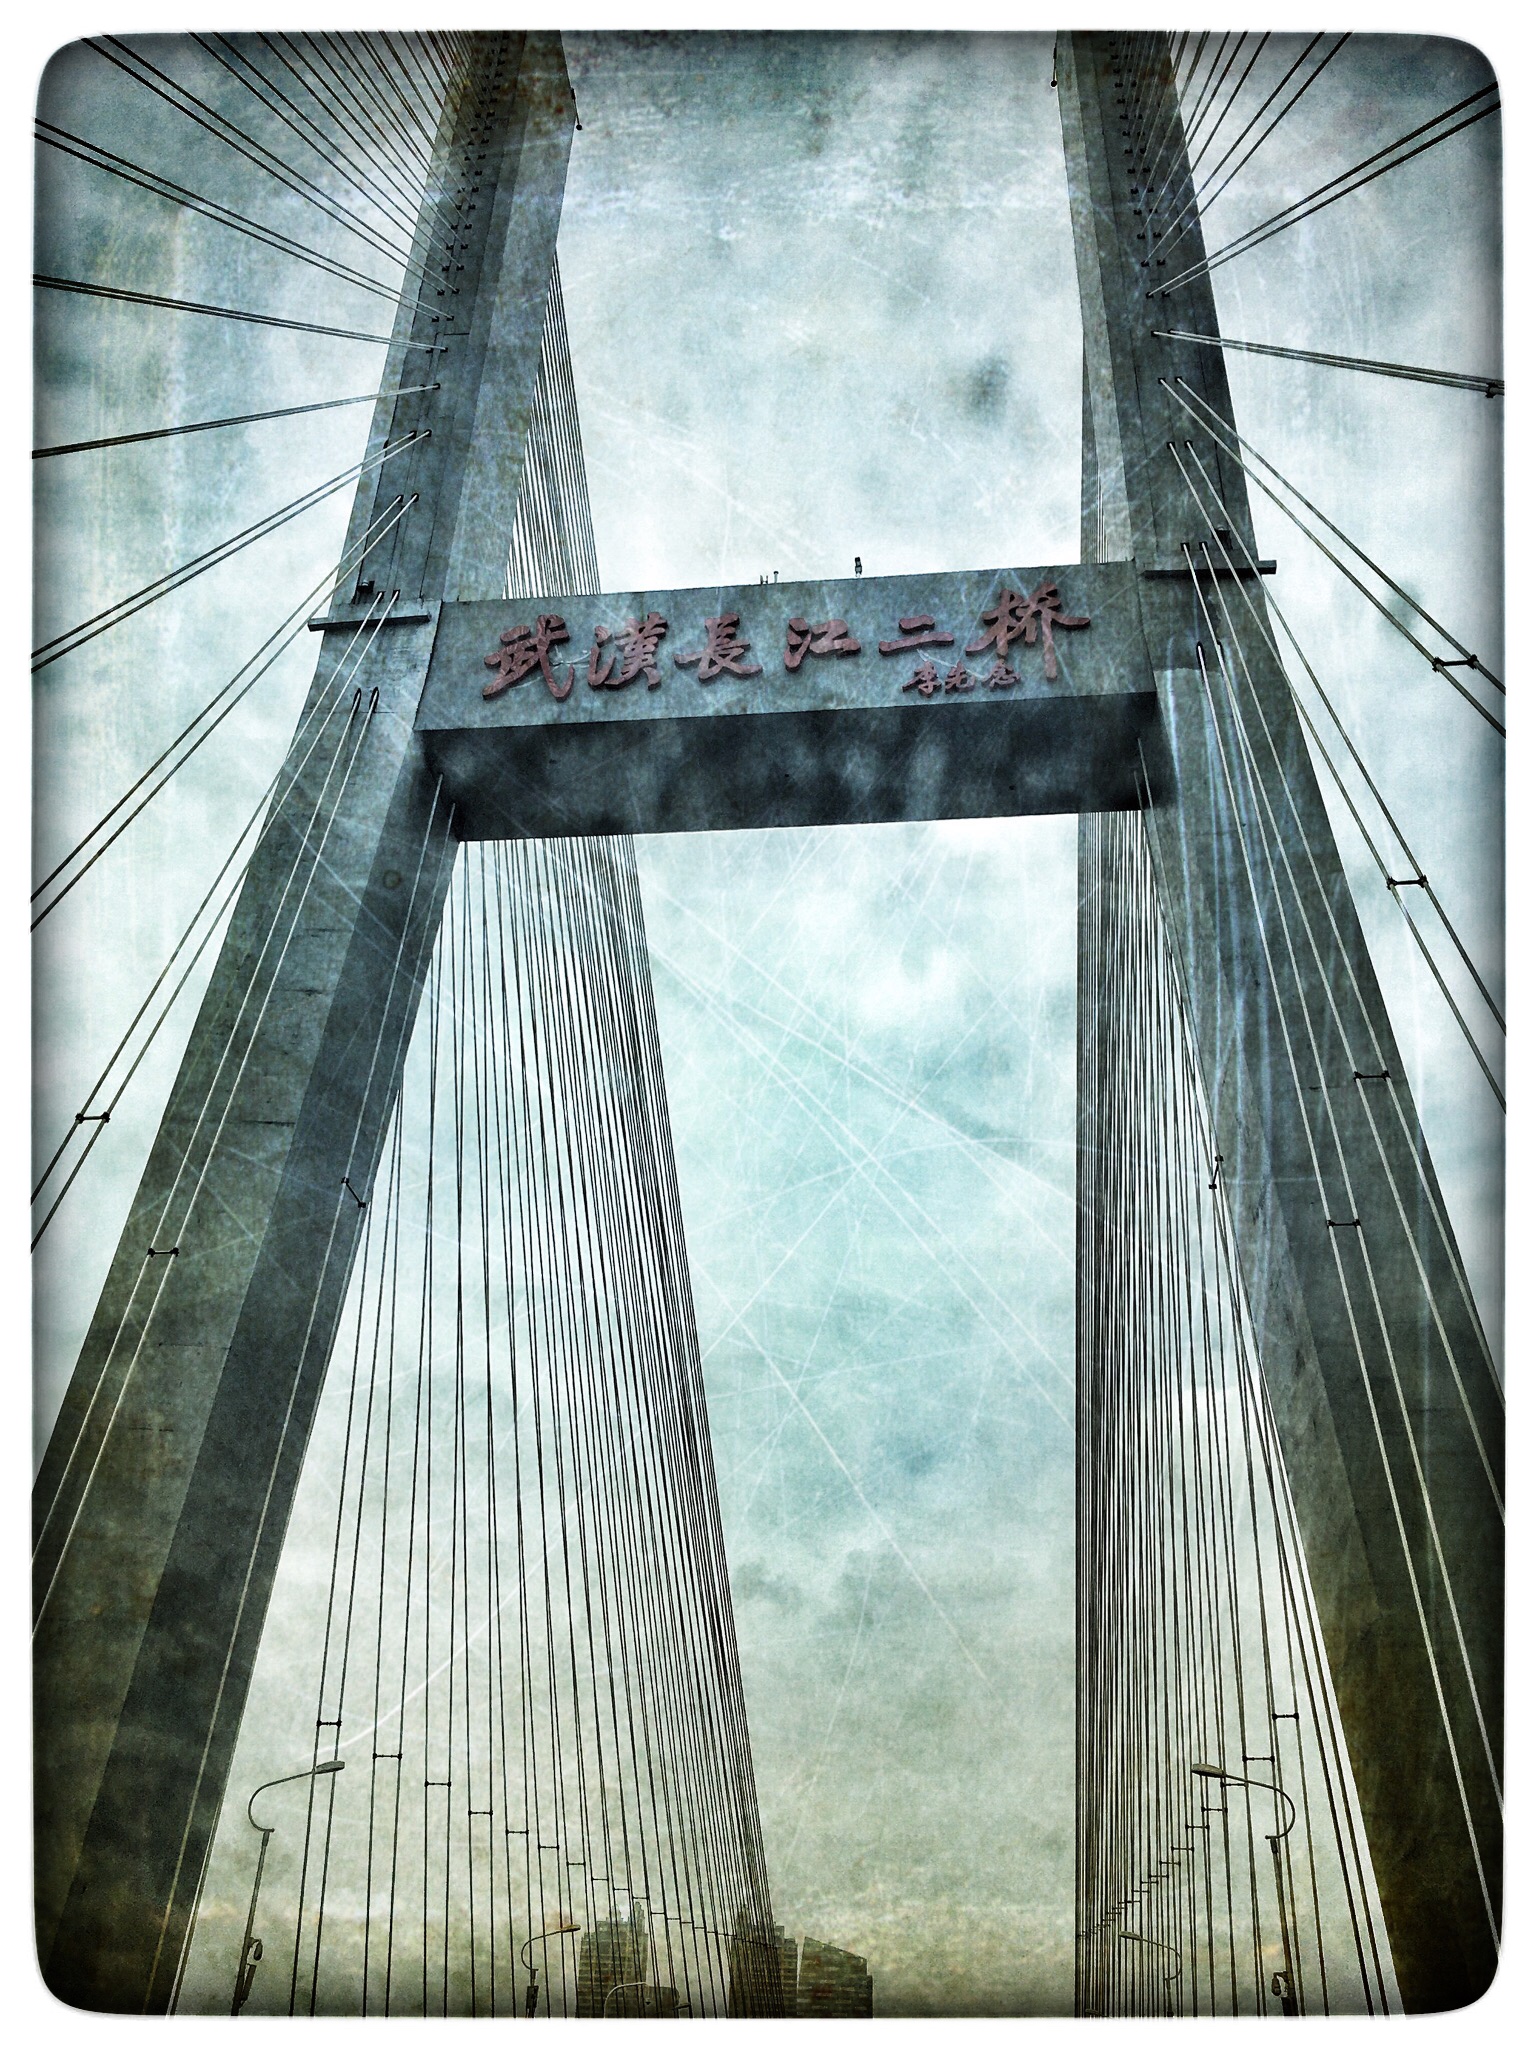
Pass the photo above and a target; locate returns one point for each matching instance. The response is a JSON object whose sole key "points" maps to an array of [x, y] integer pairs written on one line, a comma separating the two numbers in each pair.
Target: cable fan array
{"points": [[526, 1656], [530, 1788], [1222, 1860], [527, 1613], [1204, 101], [1222, 1867], [552, 547], [345, 127], [1163, 127]]}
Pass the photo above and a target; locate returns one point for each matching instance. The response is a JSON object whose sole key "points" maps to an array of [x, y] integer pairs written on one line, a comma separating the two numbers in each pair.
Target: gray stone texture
{"points": [[163, 1499], [1381, 1381]]}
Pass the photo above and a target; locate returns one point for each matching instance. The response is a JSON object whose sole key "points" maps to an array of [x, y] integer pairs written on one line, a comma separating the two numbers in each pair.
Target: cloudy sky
{"points": [[822, 302]]}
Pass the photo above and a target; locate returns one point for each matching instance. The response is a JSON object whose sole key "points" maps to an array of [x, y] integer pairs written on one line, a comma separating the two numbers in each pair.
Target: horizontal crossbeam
{"points": [[857, 701]]}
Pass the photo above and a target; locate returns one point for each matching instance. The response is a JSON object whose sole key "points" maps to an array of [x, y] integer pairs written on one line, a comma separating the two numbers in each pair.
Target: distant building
{"points": [[613, 1955], [833, 1985], [789, 1971], [768, 1978], [756, 1989]]}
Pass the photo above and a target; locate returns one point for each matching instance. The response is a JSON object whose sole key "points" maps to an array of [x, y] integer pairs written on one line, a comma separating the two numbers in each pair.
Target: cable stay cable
{"points": [[1190, 212], [1332, 1170], [284, 635], [99, 1119], [1450, 1000], [1490, 387], [1205, 99], [1339, 187], [410, 69], [1439, 978], [1165, 123], [398, 196], [1286, 1535], [223, 130], [84, 1115], [371, 80], [396, 189], [218, 1094], [1139, 110], [1180, 161], [164, 188], [404, 138], [1201, 1669], [402, 202], [1167, 146], [1419, 879], [1428, 1192], [351, 559], [1469, 659], [1276, 855], [107, 291], [629, 1790], [1231, 101], [395, 204], [1188, 1607], [243, 419], [405, 81], [176, 579], [375, 147], [1437, 662], [141, 806]]}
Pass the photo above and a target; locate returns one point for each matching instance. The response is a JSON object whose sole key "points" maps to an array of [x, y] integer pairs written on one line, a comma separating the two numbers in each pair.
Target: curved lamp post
{"points": [[629, 1984], [1283, 1982], [531, 2002], [250, 1949], [1147, 1941], [1169, 1976]]}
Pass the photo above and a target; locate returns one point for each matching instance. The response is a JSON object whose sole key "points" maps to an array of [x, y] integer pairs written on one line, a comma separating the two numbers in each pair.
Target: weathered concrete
{"points": [[837, 740], [1383, 1390], [165, 1492], [164, 1496]]}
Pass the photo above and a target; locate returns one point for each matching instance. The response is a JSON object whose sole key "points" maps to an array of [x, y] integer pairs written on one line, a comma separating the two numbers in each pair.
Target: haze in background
{"points": [[822, 303]]}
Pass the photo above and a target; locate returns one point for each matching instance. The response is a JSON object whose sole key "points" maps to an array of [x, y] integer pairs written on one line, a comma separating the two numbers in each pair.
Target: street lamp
{"points": [[1283, 1983], [250, 1949], [531, 2001], [1148, 1942], [1169, 1976], [629, 1984]]}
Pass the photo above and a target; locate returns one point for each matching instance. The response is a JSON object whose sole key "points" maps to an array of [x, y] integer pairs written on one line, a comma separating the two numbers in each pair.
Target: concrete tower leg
{"points": [[163, 1499], [1383, 1389]]}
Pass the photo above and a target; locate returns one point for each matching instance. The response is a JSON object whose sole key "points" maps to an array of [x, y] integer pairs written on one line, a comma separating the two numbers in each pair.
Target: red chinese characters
{"points": [[802, 639], [722, 651], [634, 656], [1017, 618], [524, 649], [916, 632], [925, 680]]}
